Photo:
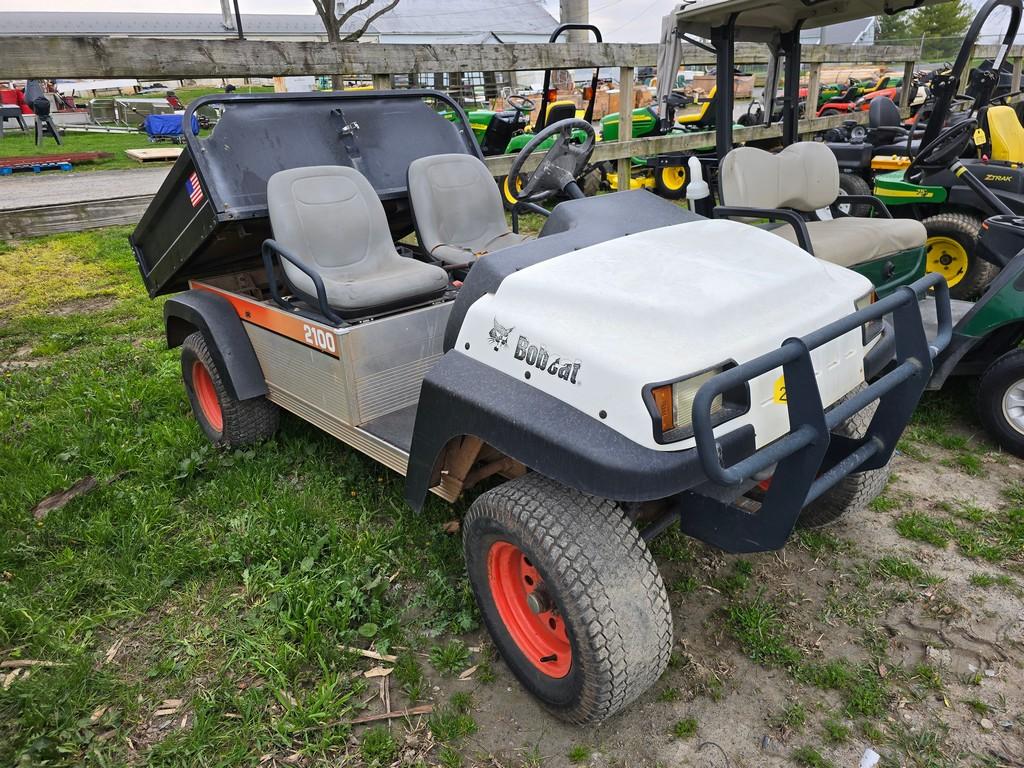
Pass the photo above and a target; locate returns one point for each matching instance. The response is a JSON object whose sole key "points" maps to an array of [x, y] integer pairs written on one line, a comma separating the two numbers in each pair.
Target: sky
{"points": [[620, 20], [636, 21]]}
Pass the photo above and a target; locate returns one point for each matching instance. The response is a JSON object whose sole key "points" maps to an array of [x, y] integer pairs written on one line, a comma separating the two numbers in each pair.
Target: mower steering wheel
{"points": [[941, 152], [563, 163], [520, 104]]}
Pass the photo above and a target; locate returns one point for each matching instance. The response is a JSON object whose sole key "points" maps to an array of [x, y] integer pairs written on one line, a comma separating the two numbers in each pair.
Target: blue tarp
{"points": [[167, 125]]}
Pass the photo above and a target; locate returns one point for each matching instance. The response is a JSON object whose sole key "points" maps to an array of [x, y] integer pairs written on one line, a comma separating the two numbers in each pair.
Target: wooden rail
{"points": [[107, 57], [163, 58]]}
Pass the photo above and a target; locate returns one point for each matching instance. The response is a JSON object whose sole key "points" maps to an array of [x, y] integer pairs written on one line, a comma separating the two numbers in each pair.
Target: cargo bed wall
{"points": [[210, 215]]}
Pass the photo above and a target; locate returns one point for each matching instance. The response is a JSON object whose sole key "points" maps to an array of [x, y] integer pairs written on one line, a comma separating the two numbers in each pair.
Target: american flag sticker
{"points": [[195, 192]]}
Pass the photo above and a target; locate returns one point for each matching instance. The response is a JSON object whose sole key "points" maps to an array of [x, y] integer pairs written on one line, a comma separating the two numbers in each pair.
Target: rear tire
{"points": [[852, 184], [855, 491], [1001, 401], [952, 252], [829, 112], [227, 422], [598, 632]]}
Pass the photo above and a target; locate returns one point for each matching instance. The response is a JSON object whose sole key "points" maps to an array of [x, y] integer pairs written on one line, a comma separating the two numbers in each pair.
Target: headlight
{"points": [[872, 329], [671, 404]]}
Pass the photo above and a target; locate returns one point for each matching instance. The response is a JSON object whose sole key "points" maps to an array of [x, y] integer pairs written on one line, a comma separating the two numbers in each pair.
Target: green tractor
{"points": [[666, 174], [942, 199], [506, 132]]}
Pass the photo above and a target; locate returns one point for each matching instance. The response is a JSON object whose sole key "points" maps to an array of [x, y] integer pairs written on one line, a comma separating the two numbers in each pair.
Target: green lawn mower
{"points": [[945, 201]]}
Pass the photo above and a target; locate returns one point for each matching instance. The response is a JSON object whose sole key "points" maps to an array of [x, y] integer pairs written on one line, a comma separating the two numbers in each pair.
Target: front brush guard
{"points": [[809, 459]]}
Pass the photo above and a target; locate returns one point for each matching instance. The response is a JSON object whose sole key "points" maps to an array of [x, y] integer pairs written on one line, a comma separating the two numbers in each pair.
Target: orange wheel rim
{"points": [[528, 610], [206, 395]]}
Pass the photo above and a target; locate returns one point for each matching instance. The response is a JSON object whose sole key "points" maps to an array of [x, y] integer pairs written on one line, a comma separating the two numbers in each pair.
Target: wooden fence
{"points": [[162, 58]]}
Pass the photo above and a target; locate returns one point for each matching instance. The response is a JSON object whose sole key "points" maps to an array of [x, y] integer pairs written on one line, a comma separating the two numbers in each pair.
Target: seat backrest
{"points": [[804, 176], [558, 111], [884, 113], [1006, 134], [707, 113], [455, 202], [330, 218]]}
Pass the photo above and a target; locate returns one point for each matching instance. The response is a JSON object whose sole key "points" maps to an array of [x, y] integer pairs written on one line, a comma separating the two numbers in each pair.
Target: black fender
{"points": [[229, 344], [461, 396]]}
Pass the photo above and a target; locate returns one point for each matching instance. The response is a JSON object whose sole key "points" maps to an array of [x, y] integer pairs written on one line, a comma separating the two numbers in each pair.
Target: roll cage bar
{"points": [[946, 85], [542, 115]]}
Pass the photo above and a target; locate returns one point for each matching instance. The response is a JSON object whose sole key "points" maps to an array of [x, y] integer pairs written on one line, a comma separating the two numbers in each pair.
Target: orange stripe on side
{"points": [[313, 335]]}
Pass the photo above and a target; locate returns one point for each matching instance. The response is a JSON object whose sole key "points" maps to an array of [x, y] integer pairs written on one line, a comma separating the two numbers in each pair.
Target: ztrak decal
{"points": [[534, 355], [997, 177]]}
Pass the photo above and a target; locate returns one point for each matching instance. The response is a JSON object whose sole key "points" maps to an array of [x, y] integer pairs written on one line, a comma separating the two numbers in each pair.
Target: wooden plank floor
{"points": [[39, 204]]}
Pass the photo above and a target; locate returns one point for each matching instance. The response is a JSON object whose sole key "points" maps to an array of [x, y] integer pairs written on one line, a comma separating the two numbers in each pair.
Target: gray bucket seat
{"points": [[457, 208], [330, 218], [804, 177]]}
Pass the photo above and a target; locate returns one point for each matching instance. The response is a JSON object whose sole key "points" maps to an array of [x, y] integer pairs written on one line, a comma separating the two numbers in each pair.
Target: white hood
{"points": [[660, 305]]}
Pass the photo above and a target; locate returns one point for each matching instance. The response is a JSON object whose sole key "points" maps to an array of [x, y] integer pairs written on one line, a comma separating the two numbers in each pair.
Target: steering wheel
{"points": [[942, 151], [560, 167], [520, 104]]}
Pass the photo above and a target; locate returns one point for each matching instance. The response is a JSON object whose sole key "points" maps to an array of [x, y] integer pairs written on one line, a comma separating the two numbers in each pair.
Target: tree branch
{"points": [[353, 36]]}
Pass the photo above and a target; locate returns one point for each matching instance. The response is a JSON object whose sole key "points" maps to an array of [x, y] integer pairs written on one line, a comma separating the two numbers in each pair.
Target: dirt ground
{"points": [[952, 648]]}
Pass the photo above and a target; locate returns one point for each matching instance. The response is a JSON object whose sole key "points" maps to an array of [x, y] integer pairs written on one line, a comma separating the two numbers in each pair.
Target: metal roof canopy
{"points": [[775, 22], [763, 20]]}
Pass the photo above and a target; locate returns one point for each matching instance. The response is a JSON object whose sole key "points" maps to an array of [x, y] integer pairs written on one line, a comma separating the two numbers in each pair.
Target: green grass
{"points": [[450, 658], [18, 144], [812, 758], [378, 747], [758, 628], [234, 579], [579, 753], [685, 729], [986, 580], [891, 567], [836, 732]]}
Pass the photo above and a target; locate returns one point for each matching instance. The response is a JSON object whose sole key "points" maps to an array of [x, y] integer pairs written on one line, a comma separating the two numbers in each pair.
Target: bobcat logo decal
{"points": [[499, 335]]}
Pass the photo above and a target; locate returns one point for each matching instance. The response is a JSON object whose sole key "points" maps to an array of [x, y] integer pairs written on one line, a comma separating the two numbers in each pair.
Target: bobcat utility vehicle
{"points": [[633, 368]]}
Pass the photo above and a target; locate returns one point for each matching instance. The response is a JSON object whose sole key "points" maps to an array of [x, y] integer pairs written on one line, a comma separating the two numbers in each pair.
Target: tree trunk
{"points": [[334, 36]]}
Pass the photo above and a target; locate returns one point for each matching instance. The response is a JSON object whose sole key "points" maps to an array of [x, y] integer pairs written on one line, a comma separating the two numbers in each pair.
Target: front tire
{"points": [[1001, 401], [952, 252], [570, 594], [855, 491], [226, 421]]}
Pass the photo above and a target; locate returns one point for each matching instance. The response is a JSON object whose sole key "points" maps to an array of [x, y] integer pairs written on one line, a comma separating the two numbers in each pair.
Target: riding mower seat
{"points": [[330, 219], [888, 135], [705, 117], [804, 177], [457, 209], [1005, 134]]}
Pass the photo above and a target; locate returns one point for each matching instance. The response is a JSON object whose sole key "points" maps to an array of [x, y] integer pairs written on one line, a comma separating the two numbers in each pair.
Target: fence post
{"points": [[1018, 70], [908, 78], [381, 82], [625, 123], [813, 87]]}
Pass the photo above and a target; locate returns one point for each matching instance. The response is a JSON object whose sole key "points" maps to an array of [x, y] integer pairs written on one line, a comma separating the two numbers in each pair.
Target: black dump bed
{"points": [[210, 215]]}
